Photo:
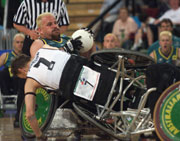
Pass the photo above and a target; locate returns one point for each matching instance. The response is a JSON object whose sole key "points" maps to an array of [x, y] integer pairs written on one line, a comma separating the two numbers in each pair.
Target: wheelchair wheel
{"points": [[167, 115], [109, 57], [46, 105], [90, 117]]}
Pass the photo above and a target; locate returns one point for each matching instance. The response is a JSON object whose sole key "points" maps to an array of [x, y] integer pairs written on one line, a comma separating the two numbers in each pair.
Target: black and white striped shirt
{"points": [[29, 10]]}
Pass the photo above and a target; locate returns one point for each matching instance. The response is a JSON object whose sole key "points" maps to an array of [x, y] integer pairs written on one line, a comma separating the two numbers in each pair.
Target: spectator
{"points": [[8, 83], [144, 35], [165, 25], [105, 25], [29, 10], [123, 28], [110, 41], [166, 53], [112, 15], [172, 14]]}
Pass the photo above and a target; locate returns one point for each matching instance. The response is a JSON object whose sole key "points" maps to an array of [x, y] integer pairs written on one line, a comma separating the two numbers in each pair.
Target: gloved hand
{"points": [[42, 138], [73, 45]]}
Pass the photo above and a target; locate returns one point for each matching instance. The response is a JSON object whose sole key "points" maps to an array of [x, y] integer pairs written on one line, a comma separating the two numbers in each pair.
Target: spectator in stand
{"points": [[105, 25], [172, 14], [144, 35], [110, 41], [123, 28], [29, 10], [8, 83], [166, 53], [165, 25], [112, 15]]}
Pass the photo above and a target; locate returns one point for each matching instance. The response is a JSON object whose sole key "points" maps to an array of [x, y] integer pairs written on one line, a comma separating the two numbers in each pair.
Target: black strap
{"points": [[30, 93]]}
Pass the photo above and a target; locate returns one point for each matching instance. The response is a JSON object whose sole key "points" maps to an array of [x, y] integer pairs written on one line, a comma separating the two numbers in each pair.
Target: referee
{"points": [[25, 18]]}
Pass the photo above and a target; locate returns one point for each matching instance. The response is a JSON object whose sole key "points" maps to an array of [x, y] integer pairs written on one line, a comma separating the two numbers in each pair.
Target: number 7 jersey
{"points": [[47, 67]]}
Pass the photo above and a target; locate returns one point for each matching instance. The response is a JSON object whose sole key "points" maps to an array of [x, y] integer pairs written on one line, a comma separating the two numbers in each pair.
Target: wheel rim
{"points": [[45, 107], [167, 115]]}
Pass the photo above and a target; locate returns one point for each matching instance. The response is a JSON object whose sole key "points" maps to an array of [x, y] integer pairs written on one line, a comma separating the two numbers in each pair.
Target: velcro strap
{"points": [[30, 93]]}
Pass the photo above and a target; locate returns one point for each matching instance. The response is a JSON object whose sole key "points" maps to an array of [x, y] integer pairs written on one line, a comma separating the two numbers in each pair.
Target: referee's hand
{"points": [[34, 34]]}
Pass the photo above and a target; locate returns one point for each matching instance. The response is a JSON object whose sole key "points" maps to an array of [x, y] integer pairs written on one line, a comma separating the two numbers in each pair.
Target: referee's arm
{"points": [[64, 18], [32, 33]]}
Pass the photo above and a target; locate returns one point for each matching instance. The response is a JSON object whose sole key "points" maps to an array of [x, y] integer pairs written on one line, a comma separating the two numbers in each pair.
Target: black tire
{"points": [[26, 130], [109, 56], [89, 116]]}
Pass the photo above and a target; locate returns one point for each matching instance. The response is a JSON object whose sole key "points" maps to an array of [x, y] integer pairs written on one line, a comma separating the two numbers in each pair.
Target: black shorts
{"points": [[70, 76]]}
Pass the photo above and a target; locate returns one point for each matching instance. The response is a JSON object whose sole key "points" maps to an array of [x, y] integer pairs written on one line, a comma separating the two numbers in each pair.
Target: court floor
{"points": [[9, 133], [83, 133]]}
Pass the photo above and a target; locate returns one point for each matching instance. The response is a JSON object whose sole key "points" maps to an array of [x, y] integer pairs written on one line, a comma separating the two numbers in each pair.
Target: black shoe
{"points": [[16, 124]]}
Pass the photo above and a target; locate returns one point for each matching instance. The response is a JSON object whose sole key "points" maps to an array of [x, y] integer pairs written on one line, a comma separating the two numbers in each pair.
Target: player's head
{"points": [[165, 41], [18, 41], [166, 25], [47, 26], [20, 65], [110, 41]]}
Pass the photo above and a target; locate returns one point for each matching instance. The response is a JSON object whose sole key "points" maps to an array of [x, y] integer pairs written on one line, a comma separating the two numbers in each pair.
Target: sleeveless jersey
{"points": [[9, 57], [160, 58], [47, 67], [58, 44]]}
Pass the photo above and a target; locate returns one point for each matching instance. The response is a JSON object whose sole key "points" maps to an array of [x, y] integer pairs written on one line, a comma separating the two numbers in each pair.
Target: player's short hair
{"points": [[18, 35], [19, 62], [111, 34], [39, 18], [166, 33], [166, 20]]}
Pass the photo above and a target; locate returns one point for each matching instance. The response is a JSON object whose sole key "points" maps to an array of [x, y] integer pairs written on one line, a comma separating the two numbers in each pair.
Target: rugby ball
{"points": [[86, 39]]}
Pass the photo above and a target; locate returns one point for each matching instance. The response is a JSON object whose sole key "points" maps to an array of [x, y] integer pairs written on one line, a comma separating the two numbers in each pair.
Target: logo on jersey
{"points": [[84, 82]]}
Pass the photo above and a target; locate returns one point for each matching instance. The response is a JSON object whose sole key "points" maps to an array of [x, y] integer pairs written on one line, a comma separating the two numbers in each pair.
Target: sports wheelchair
{"points": [[124, 114]]}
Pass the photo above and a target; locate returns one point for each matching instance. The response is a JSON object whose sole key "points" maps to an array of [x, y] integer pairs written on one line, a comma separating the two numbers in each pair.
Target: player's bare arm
{"points": [[30, 101], [36, 45]]}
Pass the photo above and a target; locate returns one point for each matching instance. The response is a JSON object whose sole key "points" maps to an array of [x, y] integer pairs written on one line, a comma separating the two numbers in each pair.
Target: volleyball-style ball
{"points": [[86, 39]]}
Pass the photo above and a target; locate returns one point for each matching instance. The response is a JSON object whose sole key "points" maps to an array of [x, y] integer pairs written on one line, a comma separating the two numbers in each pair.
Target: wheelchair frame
{"points": [[121, 124]]}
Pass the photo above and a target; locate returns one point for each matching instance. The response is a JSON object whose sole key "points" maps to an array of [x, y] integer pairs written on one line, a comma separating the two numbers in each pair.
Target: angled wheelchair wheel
{"points": [[109, 57], [167, 113], [90, 117], [46, 105]]}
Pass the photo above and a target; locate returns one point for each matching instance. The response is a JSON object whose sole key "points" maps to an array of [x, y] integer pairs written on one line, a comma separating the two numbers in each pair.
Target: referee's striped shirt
{"points": [[29, 10]]}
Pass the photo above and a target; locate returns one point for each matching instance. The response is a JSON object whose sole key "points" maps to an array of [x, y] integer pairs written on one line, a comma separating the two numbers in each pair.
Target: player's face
{"points": [[123, 14], [18, 43], [49, 28], [166, 27], [109, 42], [165, 43]]}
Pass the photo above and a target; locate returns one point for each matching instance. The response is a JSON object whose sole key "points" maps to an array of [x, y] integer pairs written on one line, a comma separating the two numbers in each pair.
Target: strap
{"points": [[30, 93]]}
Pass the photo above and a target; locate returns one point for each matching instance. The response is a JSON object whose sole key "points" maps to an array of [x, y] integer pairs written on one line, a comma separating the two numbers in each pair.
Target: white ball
{"points": [[86, 39]]}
